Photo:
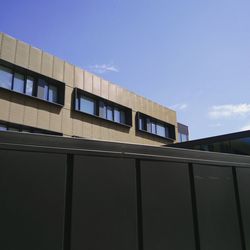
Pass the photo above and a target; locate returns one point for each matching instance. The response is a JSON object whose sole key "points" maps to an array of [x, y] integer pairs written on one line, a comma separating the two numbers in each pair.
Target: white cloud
{"points": [[103, 68], [229, 110], [179, 106]]}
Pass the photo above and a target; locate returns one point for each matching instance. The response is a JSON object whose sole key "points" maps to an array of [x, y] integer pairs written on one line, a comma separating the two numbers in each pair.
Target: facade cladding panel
{"points": [[29, 75]]}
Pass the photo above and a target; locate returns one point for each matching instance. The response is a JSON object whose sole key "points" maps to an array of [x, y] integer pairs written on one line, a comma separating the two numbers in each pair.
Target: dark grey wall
{"points": [[74, 201]]}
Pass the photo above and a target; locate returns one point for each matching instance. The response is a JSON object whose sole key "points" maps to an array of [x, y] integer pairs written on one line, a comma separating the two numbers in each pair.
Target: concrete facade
{"points": [[19, 109]]}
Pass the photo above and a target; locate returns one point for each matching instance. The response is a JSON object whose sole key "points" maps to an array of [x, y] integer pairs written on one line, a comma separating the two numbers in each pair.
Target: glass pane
{"points": [[77, 103], [161, 130], [102, 110], [29, 85], [52, 93], [141, 125], [117, 115], [87, 105], [18, 84], [183, 137], [149, 126], [153, 128], [42, 89], [5, 77], [179, 137], [123, 117], [109, 113], [3, 127]]}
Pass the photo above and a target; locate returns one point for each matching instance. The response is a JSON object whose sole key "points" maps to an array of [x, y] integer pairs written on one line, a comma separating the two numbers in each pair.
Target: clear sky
{"points": [[192, 56]]}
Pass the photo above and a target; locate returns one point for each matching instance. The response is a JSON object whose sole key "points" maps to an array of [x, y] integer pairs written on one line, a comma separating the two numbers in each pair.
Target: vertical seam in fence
{"points": [[237, 197], [139, 205], [194, 207], [68, 202]]}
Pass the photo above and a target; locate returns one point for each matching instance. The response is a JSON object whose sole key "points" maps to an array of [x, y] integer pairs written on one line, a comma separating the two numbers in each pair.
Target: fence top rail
{"points": [[67, 145]]}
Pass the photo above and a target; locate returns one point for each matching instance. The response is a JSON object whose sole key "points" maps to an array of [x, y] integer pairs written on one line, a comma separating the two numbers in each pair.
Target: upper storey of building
{"points": [[41, 91]]}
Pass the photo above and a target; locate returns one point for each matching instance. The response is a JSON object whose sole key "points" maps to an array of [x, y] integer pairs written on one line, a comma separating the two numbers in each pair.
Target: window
{"points": [[42, 89], [52, 93], [161, 130], [109, 113], [102, 110], [25, 129], [31, 84], [18, 83], [3, 127], [87, 105], [5, 77], [99, 107], [182, 137], [153, 126]]}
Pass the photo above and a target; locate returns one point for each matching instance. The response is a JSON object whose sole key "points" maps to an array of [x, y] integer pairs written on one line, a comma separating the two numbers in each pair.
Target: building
{"points": [[42, 93], [234, 143], [183, 132]]}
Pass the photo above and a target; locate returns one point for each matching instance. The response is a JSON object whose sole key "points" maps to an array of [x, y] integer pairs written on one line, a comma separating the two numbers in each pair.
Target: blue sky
{"points": [[192, 56]]}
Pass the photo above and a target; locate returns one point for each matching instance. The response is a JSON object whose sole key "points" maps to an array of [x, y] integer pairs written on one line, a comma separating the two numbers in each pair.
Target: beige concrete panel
{"points": [[88, 82], [77, 127], [158, 111], [104, 89], [161, 113], [87, 129], [144, 105], [125, 98], [58, 69], [155, 107], [1, 37], [55, 119], [132, 100], [35, 59], [172, 117], [30, 112], [69, 74], [112, 92], [165, 115], [138, 103], [47, 64], [96, 130], [67, 122], [22, 54], [68, 97], [43, 118], [119, 95], [150, 108], [78, 79], [96, 85], [104, 131], [8, 50], [4, 105], [16, 109]]}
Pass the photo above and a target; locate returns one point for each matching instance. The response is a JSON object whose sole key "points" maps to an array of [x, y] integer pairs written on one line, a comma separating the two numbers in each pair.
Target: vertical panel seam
{"points": [[238, 205], [68, 202], [194, 207], [139, 205]]}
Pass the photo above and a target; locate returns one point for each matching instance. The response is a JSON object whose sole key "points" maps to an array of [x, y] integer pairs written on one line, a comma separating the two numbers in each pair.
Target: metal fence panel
{"points": [[32, 191], [217, 208], [166, 206], [104, 204]]}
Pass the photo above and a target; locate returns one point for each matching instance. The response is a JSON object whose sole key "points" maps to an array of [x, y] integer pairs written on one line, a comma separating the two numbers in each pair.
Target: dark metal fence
{"points": [[73, 194]]}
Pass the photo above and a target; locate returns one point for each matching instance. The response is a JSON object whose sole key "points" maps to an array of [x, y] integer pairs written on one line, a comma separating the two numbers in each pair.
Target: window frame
{"points": [[147, 121], [36, 76], [107, 103]]}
